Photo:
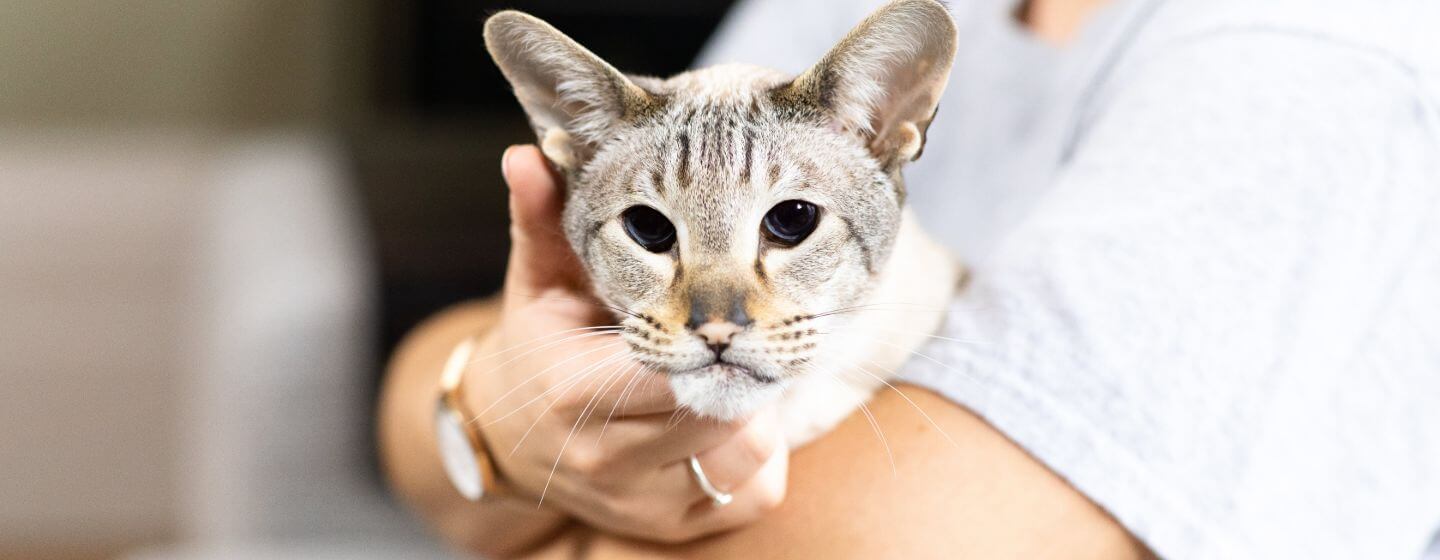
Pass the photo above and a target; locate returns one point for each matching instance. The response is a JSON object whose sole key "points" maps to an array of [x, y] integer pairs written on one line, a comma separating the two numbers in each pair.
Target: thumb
{"points": [[540, 257]]}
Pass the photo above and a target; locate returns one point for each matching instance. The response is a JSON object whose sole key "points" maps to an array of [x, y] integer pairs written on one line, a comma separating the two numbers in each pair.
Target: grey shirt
{"points": [[1207, 268]]}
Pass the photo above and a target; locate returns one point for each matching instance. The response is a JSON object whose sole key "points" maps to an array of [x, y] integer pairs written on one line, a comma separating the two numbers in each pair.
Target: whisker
{"points": [[903, 331], [573, 428], [916, 353], [535, 376], [676, 418], [908, 400], [569, 384], [604, 388], [642, 370], [565, 383], [567, 339], [614, 308], [878, 306], [874, 423], [651, 373], [606, 328], [870, 417]]}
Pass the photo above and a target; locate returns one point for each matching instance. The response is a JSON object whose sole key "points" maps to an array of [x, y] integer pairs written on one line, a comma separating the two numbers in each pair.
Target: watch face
{"points": [[457, 453]]}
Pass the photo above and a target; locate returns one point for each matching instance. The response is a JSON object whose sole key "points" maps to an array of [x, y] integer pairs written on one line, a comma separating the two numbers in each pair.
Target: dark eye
{"points": [[790, 222], [648, 227]]}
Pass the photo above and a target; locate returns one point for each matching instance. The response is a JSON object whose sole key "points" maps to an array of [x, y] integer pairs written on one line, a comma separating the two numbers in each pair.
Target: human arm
{"points": [[502, 527], [978, 497]]}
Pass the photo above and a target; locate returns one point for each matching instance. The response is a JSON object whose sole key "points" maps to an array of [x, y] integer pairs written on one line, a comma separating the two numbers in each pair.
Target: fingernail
{"points": [[505, 164]]}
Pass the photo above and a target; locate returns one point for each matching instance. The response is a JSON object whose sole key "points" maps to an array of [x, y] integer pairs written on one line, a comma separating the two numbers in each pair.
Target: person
{"points": [[1203, 313]]}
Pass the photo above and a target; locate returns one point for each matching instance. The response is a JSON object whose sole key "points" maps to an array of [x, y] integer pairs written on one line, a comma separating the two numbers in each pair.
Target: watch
{"points": [[462, 449]]}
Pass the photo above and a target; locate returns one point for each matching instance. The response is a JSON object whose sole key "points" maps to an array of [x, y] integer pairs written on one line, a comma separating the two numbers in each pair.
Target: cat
{"points": [[751, 225]]}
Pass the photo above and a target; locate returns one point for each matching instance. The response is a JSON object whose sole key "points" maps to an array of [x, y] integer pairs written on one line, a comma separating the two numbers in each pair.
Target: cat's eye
{"points": [[790, 222], [648, 227]]}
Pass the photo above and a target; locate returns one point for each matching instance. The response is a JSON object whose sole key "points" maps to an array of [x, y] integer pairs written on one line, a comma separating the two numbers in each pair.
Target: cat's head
{"points": [[732, 211]]}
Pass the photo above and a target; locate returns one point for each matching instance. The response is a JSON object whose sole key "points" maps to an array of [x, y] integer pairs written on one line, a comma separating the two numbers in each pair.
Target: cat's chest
{"points": [[908, 306]]}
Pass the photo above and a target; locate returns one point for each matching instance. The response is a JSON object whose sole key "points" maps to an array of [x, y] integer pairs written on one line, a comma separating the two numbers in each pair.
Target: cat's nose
{"points": [[717, 334]]}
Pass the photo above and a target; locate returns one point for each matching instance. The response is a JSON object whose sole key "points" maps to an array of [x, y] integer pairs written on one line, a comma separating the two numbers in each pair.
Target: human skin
{"points": [[957, 485]]}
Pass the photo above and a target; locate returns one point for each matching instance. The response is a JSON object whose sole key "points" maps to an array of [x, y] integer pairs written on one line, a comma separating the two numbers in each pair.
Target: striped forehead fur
{"points": [[720, 135]]}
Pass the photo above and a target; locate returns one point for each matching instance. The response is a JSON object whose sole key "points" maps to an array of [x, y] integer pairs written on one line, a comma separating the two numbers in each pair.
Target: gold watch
{"points": [[457, 433]]}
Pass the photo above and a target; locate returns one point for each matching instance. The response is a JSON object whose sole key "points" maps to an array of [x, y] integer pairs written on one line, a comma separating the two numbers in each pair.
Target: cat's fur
{"points": [[714, 149]]}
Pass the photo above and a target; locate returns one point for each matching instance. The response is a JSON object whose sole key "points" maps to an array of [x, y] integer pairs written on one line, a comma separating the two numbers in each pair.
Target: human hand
{"points": [[571, 420]]}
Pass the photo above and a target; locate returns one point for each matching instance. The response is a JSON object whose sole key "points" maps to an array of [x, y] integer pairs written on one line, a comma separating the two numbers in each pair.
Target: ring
{"points": [[716, 496]]}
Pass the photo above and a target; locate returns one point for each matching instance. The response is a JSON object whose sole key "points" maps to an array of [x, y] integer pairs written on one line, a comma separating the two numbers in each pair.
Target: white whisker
{"points": [[546, 345], [614, 328], [579, 421], [908, 400], [916, 353], [569, 384], [869, 417], [532, 378], [839, 328], [625, 392]]}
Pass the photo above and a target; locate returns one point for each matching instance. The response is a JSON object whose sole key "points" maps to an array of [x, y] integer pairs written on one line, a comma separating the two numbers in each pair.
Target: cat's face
{"points": [[733, 213], [729, 228]]}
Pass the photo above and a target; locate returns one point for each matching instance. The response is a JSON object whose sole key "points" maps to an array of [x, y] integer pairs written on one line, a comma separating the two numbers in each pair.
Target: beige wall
{"points": [[180, 62], [109, 111], [93, 234]]}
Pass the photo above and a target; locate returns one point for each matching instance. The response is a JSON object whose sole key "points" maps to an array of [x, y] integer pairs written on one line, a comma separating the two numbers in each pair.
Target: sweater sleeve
{"points": [[1220, 321]]}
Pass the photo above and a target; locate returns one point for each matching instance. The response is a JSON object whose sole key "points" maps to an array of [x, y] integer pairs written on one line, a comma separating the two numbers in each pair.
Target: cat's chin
{"points": [[723, 391]]}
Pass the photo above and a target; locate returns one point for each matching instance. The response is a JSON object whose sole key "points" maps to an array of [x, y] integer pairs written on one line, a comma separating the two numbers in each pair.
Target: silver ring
{"points": [[716, 496]]}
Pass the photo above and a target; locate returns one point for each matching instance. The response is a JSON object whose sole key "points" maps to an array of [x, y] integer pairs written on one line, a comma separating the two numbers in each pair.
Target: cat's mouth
{"points": [[728, 370]]}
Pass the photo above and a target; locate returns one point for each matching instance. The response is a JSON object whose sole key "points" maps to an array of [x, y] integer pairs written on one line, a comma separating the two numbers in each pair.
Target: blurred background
{"points": [[216, 219]]}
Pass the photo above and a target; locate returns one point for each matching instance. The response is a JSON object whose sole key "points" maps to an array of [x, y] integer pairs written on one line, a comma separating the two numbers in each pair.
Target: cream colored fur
{"points": [[906, 308]]}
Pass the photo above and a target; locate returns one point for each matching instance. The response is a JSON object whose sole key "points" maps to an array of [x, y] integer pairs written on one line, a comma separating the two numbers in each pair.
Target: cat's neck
{"points": [[907, 306]]}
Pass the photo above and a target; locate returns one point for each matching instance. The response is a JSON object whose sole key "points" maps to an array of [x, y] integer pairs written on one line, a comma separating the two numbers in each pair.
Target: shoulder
{"points": [[1224, 76], [1247, 43], [1400, 31]]}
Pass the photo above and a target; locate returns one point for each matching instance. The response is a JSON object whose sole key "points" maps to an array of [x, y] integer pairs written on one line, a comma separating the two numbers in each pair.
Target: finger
{"points": [[757, 496], [642, 392], [740, 457], [629, 388], [668, 437], [540, 256], [731, 463]]}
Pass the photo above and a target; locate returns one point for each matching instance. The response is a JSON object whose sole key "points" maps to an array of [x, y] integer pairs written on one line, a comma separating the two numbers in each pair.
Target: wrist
{"points": [[463, 447]]}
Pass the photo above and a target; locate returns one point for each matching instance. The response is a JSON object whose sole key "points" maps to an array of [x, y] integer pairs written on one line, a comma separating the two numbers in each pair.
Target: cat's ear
{"points": [[884, 80], [574, 99]]}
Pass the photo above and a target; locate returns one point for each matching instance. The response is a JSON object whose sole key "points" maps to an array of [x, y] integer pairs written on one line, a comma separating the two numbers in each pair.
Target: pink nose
{"points": [[717, 334]]}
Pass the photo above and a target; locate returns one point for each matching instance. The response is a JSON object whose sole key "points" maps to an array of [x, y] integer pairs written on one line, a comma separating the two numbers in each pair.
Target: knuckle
{"points": [[756, 446], [769, 501], [585, 460], [770, 498]]}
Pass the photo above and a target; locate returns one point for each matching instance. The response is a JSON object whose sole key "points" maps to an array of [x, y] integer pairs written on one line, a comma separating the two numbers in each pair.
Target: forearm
{"points": [[981, 497], [500, 527]]}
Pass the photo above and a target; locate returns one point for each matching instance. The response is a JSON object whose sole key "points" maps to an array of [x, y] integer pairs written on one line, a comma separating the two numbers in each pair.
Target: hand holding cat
{"points": [[571, 420]]}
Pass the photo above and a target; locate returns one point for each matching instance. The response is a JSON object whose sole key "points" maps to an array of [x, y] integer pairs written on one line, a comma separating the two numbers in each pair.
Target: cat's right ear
{"points": [[883, 82], [574, 99]]}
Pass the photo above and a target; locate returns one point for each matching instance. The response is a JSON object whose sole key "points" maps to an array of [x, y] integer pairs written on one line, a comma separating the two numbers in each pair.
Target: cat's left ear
{"points": [[884, 80]]}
